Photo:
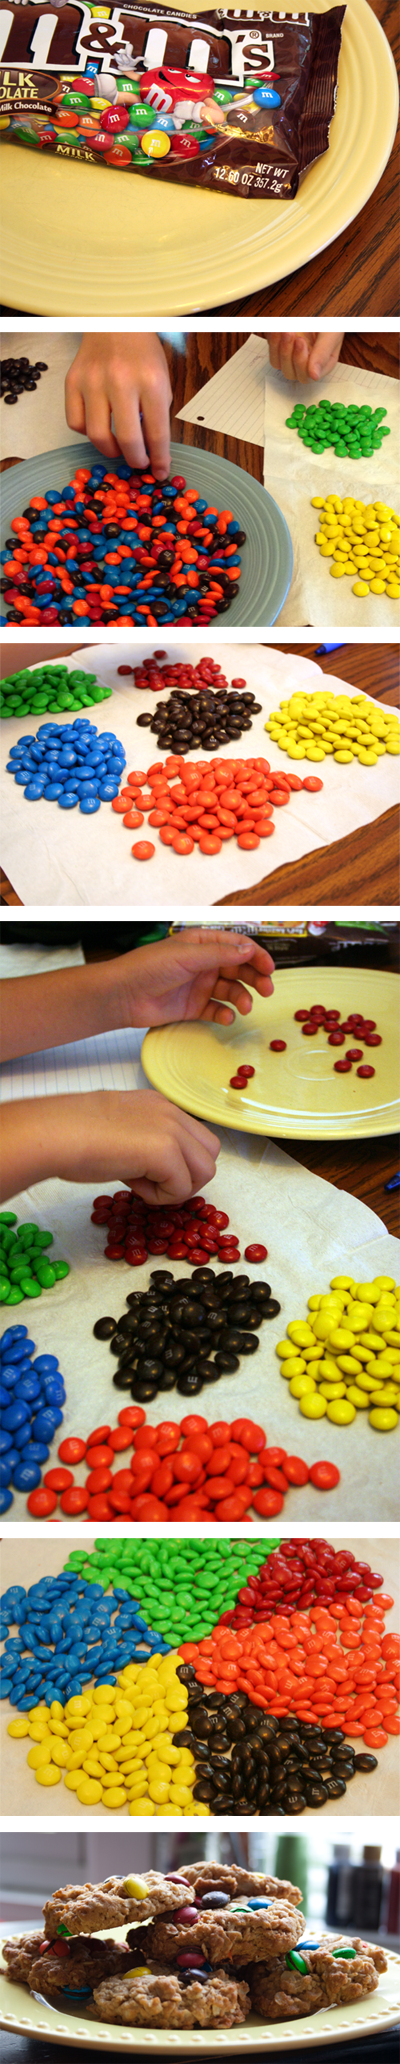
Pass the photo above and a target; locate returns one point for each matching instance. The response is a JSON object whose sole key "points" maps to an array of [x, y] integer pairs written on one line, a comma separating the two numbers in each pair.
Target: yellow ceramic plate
{"points": [[295, 1094], [74, 238], [25, 2013]]}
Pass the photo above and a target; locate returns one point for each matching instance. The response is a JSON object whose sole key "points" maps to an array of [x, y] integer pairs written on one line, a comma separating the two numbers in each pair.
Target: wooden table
{"points": [[202, 353], [362, 868], [359, 271], [194, 361]]}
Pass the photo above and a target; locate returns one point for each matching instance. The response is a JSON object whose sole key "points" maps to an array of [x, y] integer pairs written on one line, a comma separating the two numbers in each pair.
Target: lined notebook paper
{"points": [[110, 1061], [233, 401]]}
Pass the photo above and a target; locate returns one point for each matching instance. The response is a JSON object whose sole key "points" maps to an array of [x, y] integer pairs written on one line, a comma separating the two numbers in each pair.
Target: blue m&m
{"points": [[69, 765], [266, 96]]}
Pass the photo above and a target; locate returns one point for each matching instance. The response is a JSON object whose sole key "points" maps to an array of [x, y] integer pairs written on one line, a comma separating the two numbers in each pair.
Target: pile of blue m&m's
{"points": [[32, 1393], [67, 1634], [68, 764]]}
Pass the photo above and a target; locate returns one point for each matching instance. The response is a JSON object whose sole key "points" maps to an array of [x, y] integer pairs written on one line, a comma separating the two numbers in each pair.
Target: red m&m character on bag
{"points": [[162, 89]]}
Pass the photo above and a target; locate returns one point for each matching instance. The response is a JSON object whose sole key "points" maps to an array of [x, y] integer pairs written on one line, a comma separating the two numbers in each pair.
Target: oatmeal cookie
{"points": [[223, 1877], [83, 1909], [280, 1993], [234, 1936], [20, 1953], [87, 1964], [163, 2000]]}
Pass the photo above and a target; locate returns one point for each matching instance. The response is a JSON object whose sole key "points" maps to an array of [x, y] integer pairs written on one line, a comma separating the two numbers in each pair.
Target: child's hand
{"points": [[196, 975], [135, 1137], [304, 354], [125, 378]]}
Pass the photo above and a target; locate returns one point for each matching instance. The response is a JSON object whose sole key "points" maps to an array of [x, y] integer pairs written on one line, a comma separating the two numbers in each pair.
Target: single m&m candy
{"points": [[265, 96], [155, 144], [118, 156], [185, 146], [116, 118], [101, 141], [141, 117]]}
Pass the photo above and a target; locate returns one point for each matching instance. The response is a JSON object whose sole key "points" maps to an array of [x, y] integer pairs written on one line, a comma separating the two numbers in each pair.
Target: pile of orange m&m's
{"points": [[204, 802]]}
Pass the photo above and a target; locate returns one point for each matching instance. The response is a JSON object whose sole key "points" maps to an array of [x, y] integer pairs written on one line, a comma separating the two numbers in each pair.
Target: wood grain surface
{"points": [[362, 1167], [193, 358], [359, 272], [202, 353]]}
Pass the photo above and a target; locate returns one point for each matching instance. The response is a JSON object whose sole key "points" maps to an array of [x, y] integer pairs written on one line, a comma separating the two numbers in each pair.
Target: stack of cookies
{"points": [[206, 1947]]}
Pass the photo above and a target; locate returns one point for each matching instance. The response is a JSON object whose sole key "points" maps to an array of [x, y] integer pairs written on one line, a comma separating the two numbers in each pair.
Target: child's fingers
{"points": [[199, 1133], [98, 420], [157, 431], [324, 353], [199, 950], [235, 993], [74, 405], [292, 355], [127, 424], [301, 356], [184, 1163]]}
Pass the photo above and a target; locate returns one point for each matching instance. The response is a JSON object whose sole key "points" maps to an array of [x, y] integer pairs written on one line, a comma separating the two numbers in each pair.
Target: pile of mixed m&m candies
{"points": [[312, 725], [51, 688], [118, 547], [354, 433], [132, 124], [32, 1392], [215, 1677], [24, 1268], [345, 1357], [68, 765]]}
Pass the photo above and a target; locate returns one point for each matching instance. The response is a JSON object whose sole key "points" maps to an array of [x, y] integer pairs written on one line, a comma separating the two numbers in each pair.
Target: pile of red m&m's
{"points": [[188, 1470], [188, 1232]]}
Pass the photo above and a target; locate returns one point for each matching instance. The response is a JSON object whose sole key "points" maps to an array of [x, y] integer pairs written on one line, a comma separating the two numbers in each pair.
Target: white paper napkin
{"points": [[64, 858]]}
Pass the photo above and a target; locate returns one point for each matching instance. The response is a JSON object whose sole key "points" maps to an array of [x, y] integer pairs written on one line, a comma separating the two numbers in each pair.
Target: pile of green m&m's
{"points": [[183, 1589], [353, 433], [24, 1268], [36, 689]]}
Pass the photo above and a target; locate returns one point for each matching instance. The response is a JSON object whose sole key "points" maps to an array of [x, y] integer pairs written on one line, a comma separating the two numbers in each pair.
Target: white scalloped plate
{"points": [[73, 238], [34, 2017]]}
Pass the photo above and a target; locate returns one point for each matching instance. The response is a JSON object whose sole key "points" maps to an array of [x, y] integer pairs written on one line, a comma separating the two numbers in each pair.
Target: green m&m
{"points": [[351, 432], [25, 1269], [34, 690]]}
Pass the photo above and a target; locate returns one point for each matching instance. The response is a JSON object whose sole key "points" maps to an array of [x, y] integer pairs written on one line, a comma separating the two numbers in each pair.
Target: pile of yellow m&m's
{"points": [[346, 1357], [347, 726], [114, 1745], [361, 538]]}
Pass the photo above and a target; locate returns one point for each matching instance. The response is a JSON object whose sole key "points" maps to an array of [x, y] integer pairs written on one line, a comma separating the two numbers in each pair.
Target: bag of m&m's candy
{"points": [[231, 101]]}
